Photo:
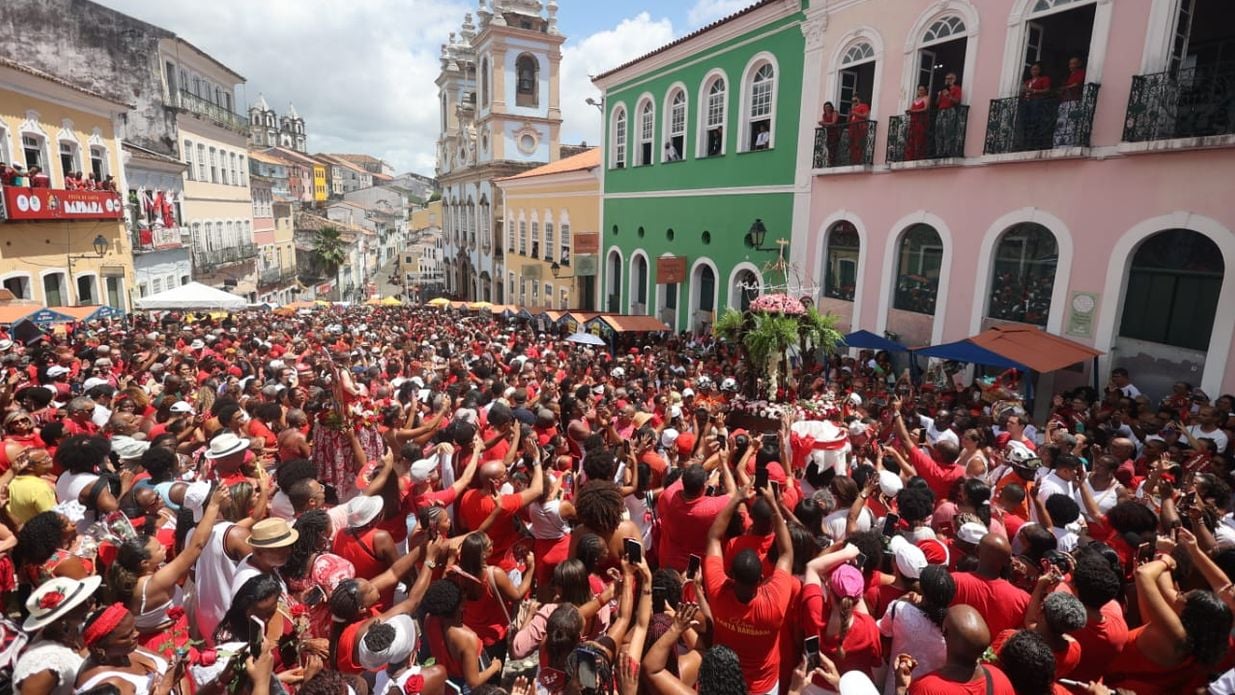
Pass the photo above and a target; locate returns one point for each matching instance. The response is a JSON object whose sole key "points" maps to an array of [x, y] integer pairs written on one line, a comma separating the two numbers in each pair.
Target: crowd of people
{"points": [[398, 500], [36, 177]]}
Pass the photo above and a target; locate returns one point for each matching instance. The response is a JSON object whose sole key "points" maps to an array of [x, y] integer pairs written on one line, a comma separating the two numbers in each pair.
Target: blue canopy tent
{"points": [[967, 351], [865, 340], [46, 317]]}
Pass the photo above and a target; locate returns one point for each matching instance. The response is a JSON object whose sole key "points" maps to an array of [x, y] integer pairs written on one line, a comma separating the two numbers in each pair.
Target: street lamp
{"points": [[557, 272], [756, 234], [598, 103], [100, 244]]}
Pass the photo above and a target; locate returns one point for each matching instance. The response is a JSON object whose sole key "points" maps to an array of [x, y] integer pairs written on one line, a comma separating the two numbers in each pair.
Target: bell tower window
{"points": [[527, 88]]}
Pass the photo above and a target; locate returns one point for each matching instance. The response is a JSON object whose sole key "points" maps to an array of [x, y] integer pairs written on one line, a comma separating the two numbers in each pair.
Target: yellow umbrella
{"points": [[372, 301], [478, 306], [321, 302], [438, 302], [391, 301]]}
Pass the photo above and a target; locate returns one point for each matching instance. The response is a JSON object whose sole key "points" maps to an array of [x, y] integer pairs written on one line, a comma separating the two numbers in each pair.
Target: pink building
{"points": [[1091, 197]]}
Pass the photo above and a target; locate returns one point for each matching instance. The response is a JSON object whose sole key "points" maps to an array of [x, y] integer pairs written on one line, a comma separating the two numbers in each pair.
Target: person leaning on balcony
{"points": [[950, 95], [1069, 94], [38, 179], [1038, 85], [859, 114], [828, 121]]}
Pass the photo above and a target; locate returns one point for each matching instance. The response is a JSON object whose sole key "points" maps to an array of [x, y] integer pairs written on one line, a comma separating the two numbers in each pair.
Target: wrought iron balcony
{"points": [[935, 134], [209, 259], [1192, 103], [221, 116], [845, 144], [1025, 124]]}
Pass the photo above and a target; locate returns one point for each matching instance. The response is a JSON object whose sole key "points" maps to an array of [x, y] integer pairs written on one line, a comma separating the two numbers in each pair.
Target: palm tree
{"points": [[330, 250]]}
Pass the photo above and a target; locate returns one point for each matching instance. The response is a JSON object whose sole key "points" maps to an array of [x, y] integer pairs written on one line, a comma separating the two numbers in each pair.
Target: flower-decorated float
{"points": [[774, 328]]}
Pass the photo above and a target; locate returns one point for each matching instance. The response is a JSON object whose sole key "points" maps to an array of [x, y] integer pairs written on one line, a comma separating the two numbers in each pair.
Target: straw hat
{"points": [[272, 533]]}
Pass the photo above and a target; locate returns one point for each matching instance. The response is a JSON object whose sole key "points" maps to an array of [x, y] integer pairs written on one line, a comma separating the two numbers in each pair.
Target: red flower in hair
{"points": [[175, 612], [50, 600]]}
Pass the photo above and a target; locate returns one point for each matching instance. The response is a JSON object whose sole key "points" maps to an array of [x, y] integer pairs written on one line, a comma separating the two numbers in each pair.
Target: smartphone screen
{"points": [[692, 567], [1144, 553], [634, 551], [889, 524], [922, 436], [860, 561], [711, 491], [761, 477], [257, 634], [775, 488]]}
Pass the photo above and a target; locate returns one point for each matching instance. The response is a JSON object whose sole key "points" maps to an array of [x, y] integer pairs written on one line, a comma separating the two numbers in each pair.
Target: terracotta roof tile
{"points": [[579, 162]]}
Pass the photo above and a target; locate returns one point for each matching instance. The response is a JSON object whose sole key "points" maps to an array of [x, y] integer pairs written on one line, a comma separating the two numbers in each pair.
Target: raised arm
{"points": [[784, 542], [169, 574], [716, 533], [655, 664]]}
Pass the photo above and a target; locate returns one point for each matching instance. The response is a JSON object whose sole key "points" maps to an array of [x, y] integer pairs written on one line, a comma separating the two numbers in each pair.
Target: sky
{"points": [[361, 72]]}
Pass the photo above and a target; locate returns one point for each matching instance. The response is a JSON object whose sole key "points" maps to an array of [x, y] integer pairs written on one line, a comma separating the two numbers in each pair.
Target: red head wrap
{"points": [[108, 619]]}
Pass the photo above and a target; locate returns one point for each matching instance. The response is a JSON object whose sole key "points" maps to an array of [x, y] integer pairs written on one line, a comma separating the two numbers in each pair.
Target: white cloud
{"points": [[708, 11], [595, 54], [360, 73]]}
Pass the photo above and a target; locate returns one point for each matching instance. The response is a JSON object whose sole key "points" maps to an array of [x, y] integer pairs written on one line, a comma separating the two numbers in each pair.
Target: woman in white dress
{"points": [[49, 665], [915, 627]]}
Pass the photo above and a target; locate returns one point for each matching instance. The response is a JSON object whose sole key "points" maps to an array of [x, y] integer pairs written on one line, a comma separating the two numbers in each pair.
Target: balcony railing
{"points": [[846, 144], [209, 259], [1025, 124], [1192, 103], [146, 240], [221, 116], [275, 276], [936, 134]]}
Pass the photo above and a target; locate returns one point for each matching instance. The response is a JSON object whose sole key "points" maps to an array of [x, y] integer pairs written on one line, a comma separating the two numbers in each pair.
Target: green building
{"points": [[701, 141]]}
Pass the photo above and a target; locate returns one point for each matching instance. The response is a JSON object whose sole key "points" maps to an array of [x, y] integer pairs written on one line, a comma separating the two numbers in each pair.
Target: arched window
{"points": [[564, 254], [526, 83], [918, 263], [54, 291], [1172, 291], [647, 120], [1024, 275], [19, 285], [70, 155], [856, 76], [535, 238], [761, 107], [745, 288], [840, 261], [484, 83], [613, 282], [523, 237], [675, 126], [618, 128], [712, 143], [188, 159], [86, 285], [639, 290], [941, 51]]}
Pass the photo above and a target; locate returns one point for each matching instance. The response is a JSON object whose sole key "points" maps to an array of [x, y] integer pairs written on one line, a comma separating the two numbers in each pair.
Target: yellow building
{"points": [[321, 189], [552, 223], [60, 247]]}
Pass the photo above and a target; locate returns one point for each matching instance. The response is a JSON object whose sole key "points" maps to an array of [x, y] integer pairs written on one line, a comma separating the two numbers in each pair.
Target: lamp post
{"points": [[557, 275], [100, 244], [756, 235]]}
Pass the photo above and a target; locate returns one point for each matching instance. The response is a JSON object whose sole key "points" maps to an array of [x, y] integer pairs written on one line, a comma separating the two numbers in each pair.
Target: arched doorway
{"points": [[486, 287], [744, 289], [1170, 301], [702, 296], [639, 284], [1023, 275], [613, 282]]}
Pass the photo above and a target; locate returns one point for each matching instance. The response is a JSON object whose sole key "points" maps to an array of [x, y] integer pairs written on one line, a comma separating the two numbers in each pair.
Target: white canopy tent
{"points": [[193, 295]]}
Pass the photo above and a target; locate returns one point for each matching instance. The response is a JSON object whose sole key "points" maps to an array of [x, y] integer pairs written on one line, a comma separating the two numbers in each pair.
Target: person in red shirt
{"points": [[950, 95], [476, 504], [748, 612], [688, 512], [1105, 632], [267, 418], [79, 421], [938, 470], [848, 637], [967, 640], [1014, 431], [1002, 603]]}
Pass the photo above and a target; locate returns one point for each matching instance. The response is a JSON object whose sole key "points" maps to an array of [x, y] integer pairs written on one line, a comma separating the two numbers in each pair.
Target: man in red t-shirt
{"points": [[686, 514], [476, 504], [1105, 633], [748, 611], [940, 470], [998, 600], [968, 637]]}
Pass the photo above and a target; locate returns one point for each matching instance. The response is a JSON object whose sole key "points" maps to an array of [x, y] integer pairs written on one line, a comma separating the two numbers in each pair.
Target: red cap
{"points": [[935, 551], [685, 443], [776, 472]]}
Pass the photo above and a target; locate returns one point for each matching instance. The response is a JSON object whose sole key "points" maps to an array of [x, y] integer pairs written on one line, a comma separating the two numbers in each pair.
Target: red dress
{"points": [[915, 142], [359, 550], [859, 126]]}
